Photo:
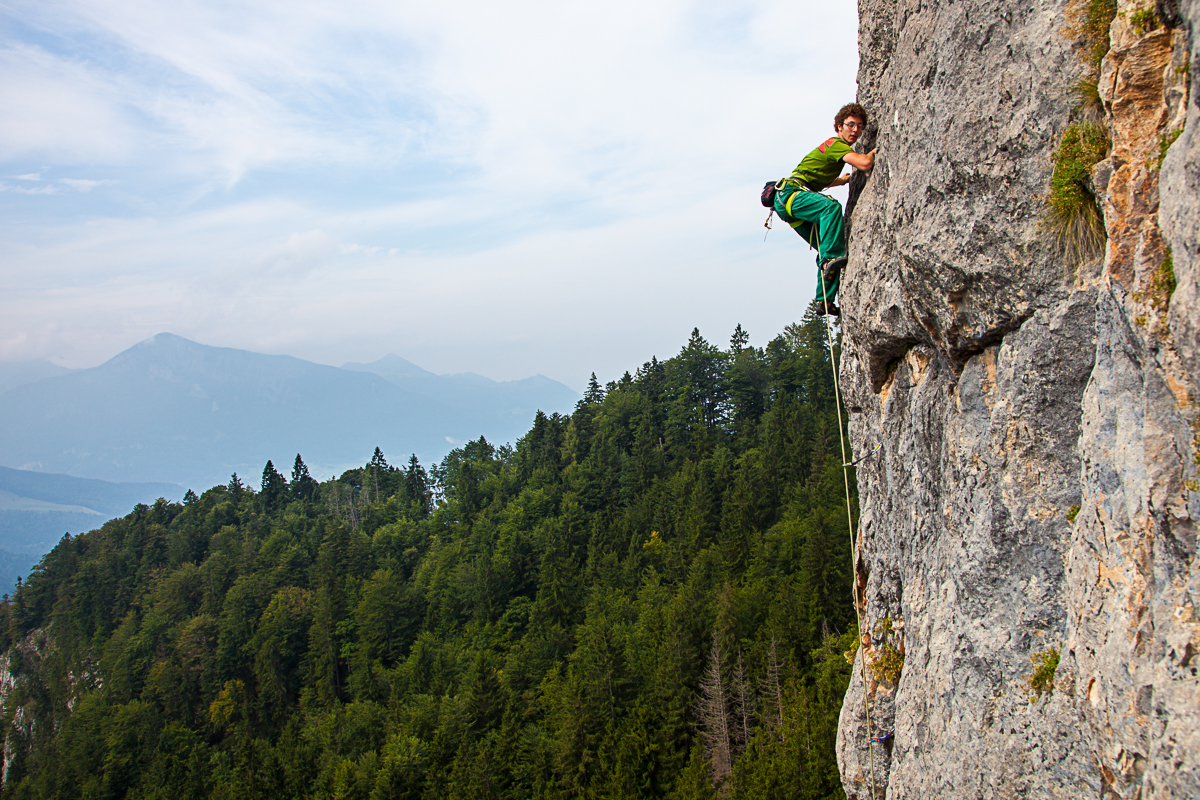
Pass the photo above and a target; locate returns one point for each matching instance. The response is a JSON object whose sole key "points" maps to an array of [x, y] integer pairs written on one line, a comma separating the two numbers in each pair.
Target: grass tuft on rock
{"points": [[1041, 681], [1073, 217], [1091, 21], [1162, 285], [1164, 144], [888, 661], [1088, 105], [1144, 21]]}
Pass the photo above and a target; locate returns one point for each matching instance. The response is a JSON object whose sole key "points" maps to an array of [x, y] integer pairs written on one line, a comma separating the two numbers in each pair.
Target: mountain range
{"points": [[172, 410]]}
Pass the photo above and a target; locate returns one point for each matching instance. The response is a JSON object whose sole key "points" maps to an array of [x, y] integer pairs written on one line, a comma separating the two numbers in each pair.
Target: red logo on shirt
{"points": [[828, 142]]}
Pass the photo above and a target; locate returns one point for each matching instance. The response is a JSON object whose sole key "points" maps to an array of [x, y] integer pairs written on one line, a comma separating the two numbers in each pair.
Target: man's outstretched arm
{"points": [[863, 161]]}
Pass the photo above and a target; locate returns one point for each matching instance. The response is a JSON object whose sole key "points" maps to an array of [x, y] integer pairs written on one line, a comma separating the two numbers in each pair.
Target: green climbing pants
{"points": [[818, 219]]}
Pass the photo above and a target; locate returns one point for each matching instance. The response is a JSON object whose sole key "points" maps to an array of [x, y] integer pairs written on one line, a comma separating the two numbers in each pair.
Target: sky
{"points": [[502, 188]]}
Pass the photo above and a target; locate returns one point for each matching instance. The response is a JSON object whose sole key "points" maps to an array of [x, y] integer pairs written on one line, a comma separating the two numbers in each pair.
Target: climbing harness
{"points": [[837, 393], [768, 200]]}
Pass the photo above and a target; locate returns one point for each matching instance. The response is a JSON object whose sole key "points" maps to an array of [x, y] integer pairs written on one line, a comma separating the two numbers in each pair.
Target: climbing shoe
{"points": [[832, 267], [828, 309]]}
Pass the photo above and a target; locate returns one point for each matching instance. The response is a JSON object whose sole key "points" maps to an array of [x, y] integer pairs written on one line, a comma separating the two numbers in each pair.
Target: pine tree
{"points": [[274, 488], [303, 484], [594, 394], [416, 488], [378, 461], [737, 342]]}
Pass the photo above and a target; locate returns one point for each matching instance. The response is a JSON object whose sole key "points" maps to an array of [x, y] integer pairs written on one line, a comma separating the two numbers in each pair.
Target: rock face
{"points": [[1035, 484]]}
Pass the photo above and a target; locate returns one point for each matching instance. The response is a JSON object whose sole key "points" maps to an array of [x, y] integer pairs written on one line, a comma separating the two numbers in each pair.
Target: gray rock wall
{"points": [[1006, 388]]}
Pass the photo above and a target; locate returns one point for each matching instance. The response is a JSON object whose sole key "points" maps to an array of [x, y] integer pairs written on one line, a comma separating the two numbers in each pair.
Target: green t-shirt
{"points": [[822, 166]]}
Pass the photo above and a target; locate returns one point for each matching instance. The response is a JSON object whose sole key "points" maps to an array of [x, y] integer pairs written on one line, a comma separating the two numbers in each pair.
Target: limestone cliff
{"points": [[1035, 483]]}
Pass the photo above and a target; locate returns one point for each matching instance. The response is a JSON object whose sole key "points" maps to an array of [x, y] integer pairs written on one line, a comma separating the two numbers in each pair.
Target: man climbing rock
{"points": [[818, 217]]}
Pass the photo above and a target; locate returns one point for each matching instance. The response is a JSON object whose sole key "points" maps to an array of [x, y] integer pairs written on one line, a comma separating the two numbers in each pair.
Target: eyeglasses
{"points": [[854, 126]]}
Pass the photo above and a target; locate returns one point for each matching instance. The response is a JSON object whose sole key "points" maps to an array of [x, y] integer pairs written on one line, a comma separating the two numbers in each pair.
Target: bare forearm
{"points": [[863, 161]]}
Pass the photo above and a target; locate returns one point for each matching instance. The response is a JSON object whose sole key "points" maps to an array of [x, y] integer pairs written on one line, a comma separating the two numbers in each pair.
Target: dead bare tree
{"points": [[774, 690], [713, 710], [334, 501], [743, 707]]}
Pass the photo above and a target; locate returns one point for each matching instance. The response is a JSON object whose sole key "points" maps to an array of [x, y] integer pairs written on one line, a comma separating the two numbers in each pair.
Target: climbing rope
{"points": [[846, 465], [837, 393]]}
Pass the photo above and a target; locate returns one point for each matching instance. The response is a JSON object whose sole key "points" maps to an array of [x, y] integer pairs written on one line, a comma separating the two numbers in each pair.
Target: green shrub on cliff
{"points": [[888, 660], [1088, 105], [1144, 21], [1091, 21], [1164, 144], [1073, 217], [1162, 284], [1041, 680]]}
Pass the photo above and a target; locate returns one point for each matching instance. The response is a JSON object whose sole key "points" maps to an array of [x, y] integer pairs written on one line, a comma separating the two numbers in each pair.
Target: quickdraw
{"points": [[884, 737], [860, 458]]}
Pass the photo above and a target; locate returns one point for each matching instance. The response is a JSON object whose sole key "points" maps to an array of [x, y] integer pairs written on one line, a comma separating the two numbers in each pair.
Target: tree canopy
{"points": [[649, 597]]}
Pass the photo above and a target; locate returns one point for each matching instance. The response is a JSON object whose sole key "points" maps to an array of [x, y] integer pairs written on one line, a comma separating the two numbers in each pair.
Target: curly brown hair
{"points": [[849, 110]]}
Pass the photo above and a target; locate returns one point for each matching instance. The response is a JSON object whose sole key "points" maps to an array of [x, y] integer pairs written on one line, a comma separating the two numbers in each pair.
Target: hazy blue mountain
{"points": [[509, 404], [102, 497], [15, 565], [34, 532], [393, 367], [19, 373], [37, 508], [172, 410]]}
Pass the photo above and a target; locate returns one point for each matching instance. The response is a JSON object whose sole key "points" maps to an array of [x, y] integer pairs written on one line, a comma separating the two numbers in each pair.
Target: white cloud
{"points": [[299, 256], [523, 94], [363, 249], [58, 109], [32, 176], [4, 187], [85, 184]]}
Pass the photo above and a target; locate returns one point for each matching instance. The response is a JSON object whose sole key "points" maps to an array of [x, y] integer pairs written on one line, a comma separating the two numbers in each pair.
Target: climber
{"points": [[818, 217]]}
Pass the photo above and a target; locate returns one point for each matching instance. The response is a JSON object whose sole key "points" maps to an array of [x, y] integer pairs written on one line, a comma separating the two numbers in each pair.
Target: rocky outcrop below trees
{"points": [[1031, 510]]}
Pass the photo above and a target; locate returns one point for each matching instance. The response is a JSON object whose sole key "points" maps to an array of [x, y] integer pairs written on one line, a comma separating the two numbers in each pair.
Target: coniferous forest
{"points": [[647, 598]]}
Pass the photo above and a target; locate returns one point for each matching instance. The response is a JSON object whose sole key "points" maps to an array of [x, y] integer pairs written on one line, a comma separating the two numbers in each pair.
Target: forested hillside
{"points": [[641, 599]]}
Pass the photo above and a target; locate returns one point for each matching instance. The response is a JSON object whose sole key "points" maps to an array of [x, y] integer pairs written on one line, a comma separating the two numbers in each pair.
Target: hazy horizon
{"points": [[10, 362], [177, 410]]}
